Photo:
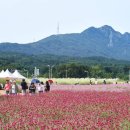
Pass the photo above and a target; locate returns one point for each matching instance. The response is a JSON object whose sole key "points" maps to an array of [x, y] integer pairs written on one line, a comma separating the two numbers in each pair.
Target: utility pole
{"points": [[51, 70], [66, 73]]}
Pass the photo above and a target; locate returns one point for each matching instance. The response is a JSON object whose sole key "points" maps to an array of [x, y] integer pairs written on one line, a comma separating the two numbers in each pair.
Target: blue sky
{"points": [[25, 21]]}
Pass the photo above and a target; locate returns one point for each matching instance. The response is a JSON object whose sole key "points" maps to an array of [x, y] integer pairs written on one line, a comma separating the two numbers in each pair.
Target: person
{"points": [[14, 88], [90, 82], [104, 81], [96, 81], [24, 86], [41, 87], [47, 87], [1, 86], [32, 88], [7, 87]]}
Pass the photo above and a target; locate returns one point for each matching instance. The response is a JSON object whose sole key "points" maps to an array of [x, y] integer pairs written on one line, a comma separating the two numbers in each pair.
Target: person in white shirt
{"points": [[41, 87], [14, 88]]}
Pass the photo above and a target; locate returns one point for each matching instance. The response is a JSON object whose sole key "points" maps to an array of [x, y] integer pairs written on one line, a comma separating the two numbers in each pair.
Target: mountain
{"points": [[103, 41]]}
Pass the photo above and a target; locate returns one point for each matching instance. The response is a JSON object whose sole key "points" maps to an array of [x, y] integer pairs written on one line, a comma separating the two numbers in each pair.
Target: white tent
{"points": [[17, 75], [7, 74], [1, 73]]}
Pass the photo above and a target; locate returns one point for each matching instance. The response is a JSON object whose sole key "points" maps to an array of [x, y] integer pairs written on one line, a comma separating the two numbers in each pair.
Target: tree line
{"points": [[72, 67]]}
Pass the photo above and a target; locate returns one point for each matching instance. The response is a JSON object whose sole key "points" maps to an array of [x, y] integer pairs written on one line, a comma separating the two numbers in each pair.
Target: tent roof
{"points": [[2, 72], [17, 75], [6, 74]]}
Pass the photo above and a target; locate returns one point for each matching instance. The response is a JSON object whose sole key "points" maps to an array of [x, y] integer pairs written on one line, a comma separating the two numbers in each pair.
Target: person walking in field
{"points": [[47, 87], [14, 88], [32, 88], [24, 86], [41, 88], [104, 81], [90, 82], [7, 87]]}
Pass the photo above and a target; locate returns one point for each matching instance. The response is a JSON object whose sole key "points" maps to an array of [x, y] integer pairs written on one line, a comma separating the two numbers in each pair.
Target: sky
{"points": [[26, 21]]}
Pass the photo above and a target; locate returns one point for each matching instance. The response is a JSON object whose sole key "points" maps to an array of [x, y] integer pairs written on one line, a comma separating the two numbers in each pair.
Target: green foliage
{"points": [[125, 125], [96, 67]]}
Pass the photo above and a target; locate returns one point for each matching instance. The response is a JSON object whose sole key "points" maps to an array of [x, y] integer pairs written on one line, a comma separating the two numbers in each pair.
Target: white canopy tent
{"points": [[1, 73], [6, 74], [17, 75]]}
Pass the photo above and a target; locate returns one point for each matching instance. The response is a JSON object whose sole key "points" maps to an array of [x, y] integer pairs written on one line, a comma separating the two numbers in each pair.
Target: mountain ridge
{"points": [[103, 41]]}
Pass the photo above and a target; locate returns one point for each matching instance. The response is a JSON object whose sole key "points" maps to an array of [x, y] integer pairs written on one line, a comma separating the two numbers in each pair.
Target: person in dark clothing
{"points": [[32, 88], [104, 82], [90, 82], [24, 86], [47, 87]]}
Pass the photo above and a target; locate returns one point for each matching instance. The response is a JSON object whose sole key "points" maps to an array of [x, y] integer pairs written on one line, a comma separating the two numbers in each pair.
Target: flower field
{"points": [[98, 87], [66, 110]]}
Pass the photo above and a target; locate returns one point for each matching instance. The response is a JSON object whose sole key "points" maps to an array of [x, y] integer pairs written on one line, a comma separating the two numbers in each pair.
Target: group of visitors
{"points": [[35, 87], [12, 87]]}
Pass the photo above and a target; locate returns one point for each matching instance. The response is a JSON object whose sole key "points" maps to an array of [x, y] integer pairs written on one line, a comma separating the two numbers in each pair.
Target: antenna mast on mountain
{"points": [[58, 28]]}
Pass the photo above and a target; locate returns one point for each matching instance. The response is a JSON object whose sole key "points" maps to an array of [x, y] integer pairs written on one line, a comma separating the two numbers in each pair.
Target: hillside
{"points": [[99, 42]]}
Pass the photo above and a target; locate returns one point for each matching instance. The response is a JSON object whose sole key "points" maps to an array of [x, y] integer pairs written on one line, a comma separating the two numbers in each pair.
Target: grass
{"points": [[71, 81], [125, 125], [81, 81]]}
